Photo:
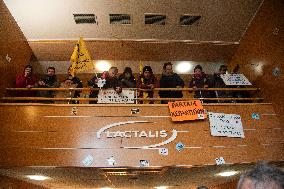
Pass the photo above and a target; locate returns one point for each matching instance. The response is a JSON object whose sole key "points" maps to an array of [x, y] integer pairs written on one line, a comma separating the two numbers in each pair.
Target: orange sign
{"points": [[186, 110]]}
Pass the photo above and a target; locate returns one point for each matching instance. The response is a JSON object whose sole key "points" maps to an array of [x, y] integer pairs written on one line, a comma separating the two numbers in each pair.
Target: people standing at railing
{"points": [[217, 82], [147, 80], [169, 79], [127, 78], [199, 80], [49, 80], [26, 80]]}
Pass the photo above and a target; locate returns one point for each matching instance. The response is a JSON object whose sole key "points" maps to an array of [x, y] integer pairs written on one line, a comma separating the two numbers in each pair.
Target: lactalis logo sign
{"points": [[137, 134]]}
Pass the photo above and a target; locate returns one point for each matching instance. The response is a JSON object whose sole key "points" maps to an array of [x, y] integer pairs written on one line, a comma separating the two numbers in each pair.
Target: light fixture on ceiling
{"points": [[102, 65], [106, 188], [38, 177], [183, 67], [227, 173], [161, 187]]}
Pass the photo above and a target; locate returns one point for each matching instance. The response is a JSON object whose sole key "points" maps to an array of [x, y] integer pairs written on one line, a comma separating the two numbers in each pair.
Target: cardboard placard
{"points": [[229, 125], [235, 79], [111, 96], [186, 110]]}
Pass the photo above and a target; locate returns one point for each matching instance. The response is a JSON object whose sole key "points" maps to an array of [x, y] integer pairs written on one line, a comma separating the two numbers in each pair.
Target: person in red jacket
{"points": [[26, 80]]}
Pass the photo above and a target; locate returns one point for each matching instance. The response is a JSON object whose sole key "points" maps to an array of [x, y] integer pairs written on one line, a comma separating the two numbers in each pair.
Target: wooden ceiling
{"points": [[50, 28]]}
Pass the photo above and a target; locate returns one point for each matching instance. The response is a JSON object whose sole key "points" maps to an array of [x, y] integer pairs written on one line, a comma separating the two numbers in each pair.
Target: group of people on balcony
{"points": [[145, 80]]}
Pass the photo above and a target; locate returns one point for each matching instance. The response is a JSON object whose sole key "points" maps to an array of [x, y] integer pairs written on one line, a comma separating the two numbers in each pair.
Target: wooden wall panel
{"points": [[48, 135], [261, 50], [13, 43], [135, 50], [12, 183]]}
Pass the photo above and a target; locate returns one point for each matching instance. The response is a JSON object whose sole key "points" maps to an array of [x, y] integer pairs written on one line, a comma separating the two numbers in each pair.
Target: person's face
{"points": [[28, 71], [223, 71], [112, 73], [169, 70], [198, 71], [147, 74], [68, 82], [50, 72], [127, 75]]}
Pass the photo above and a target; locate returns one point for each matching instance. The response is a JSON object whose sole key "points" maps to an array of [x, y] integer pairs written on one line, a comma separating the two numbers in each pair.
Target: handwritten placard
{"points": [[229, 125], [235, 79], [111, 96], [186, 110]]}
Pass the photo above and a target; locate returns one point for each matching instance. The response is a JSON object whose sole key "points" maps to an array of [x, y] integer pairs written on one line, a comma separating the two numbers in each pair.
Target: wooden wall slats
{"points": [[131, 157], [31, 135]]}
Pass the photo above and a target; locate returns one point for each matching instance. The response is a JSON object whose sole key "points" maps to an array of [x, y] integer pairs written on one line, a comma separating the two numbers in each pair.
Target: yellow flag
{"points": [[80, 58], [140, 68]]}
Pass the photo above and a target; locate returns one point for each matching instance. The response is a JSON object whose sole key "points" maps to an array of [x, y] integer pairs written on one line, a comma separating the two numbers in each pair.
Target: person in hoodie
{"points": [[199, 80], [127, 78], [170, 79]]}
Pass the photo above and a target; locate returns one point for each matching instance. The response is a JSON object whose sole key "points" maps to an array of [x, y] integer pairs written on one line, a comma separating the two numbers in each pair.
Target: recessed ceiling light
{"points": [[102, 65], [37, 177], [106, 188], [183, 67], [227, 173], [161, 187]]}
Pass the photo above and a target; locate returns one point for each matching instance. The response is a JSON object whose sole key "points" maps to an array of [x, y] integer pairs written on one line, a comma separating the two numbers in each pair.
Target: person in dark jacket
{"points": [[49, 80], [217, 82], [127, 78], [170, 79], [147, 81], [199, 80]]}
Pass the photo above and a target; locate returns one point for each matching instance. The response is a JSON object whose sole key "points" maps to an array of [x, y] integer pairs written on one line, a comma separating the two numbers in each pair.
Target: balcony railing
{"points": [[8, 97]]}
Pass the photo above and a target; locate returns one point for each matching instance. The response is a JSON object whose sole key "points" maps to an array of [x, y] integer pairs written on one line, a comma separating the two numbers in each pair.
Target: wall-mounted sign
{"points": [[186, 110], [111, 96], [229, 125], [137, 134]]}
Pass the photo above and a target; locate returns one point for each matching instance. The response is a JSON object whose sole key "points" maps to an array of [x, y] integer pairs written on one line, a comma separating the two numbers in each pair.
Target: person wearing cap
{"points": [[127, 78], [147, 81], [199, 80], [170, 79]]}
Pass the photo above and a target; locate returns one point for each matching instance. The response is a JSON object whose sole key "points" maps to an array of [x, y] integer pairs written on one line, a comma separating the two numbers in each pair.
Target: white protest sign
{"points": [[229, 125], [111, 96], [235, 79]]}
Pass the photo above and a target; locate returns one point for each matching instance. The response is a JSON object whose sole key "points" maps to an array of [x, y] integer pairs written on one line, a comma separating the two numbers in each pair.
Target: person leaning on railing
{"points": [[147, 81], [68, 83], [127, 78], [49, 80], [26, 80], [170, 79], [199, 80], [217, 82]]}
